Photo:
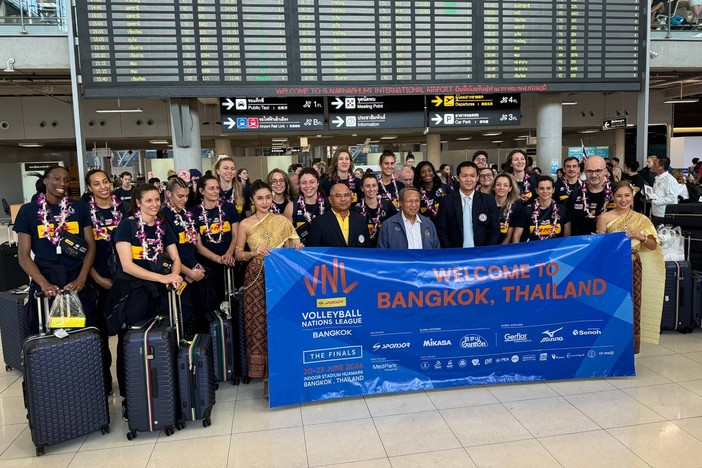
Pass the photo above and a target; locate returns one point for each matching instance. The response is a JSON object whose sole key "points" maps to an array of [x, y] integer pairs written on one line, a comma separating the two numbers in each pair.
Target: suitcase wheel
{"points": [[169, 431], [179, 425], [246, 380], [131, 435], [40, 451], [235, 381], [8, 368], [207, 422], [105, 430], [216, 386]]}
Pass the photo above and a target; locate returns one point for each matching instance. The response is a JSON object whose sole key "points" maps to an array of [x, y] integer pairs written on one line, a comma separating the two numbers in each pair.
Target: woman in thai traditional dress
{"points": [[647, 261], [262, 231]]}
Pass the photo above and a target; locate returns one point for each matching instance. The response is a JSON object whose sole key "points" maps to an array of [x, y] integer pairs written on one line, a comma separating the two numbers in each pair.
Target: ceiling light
{"points": [[10, 65], [489, 134], [464, 138], [589, 130], [497, 141], [443, 141], [681, 100], [569, 103], [687, 130], [119, 110], [389, 137], [374, 141], [158, 142], [31, 145], [521, 138], [631, 125], [279, 139], [354, 134]]}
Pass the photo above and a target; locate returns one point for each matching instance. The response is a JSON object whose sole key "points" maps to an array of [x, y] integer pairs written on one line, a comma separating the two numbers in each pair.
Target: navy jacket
{"points": [[326, 232], [393, 235], [486, 220]]}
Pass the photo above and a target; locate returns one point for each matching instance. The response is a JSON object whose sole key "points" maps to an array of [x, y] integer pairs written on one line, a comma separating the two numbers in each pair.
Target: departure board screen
{"points": [[192, 48]]}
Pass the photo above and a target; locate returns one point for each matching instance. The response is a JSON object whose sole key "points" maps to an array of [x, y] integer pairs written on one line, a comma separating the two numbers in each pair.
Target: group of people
{"points": [[138, 246]]}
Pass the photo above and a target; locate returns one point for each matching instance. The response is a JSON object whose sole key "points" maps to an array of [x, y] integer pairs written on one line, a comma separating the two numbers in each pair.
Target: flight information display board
{"points": [[191, 48]]}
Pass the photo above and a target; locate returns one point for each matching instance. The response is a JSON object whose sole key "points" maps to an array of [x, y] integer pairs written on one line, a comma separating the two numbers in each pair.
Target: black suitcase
{"points": [[150, 373], [235, 299], [685, 215], [63, 386], [195, 369], [697, 297], [677, 299], [222, 336], [14, 328], [11, 273]]}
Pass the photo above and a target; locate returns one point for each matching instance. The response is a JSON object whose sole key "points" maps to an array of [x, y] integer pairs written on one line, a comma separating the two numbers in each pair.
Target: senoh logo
{"points": [[516, 338], [380, 346], [588, 332], [332, 279], [551, 336], [432, 343], [473, 341]]}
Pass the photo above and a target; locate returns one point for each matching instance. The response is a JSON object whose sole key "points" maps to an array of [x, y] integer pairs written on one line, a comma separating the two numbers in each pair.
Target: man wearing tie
{"points": [[339, 227], [468, 218]]}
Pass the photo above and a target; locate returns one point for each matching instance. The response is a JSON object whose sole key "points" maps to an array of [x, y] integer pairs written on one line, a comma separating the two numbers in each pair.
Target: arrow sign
{"points": [[338, 121], [338, 103], [437, 101], [614, 123], [228, 103], [436, 119], [230, 123]]}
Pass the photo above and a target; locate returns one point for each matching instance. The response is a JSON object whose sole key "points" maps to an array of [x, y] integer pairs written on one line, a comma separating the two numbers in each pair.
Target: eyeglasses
{"points": [[277, 181], [341, 195], [596, 172], [481, 158], [486, 176]]}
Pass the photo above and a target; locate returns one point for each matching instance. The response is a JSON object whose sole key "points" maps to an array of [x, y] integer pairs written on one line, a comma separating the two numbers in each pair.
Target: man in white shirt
{"points": [[408, 229], [665, 190]]}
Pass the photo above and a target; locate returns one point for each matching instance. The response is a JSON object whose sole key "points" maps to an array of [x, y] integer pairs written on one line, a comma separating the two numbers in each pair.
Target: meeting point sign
{"points": [[349, 322]]}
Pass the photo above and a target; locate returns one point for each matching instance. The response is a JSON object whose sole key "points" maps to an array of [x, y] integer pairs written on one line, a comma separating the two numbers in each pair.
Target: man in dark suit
{"points": [[481, 224], [339, 227]]}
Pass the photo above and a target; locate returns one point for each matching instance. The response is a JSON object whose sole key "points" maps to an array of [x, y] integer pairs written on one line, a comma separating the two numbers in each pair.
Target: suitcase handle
{"points": [[175, 312], [42, 310]]}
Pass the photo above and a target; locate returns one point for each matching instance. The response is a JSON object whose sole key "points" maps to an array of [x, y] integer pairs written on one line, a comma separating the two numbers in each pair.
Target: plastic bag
{"points": [[66, 311], [672, 243]]}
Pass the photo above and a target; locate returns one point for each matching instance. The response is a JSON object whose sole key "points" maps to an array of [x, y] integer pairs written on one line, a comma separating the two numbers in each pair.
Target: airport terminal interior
{"points": [[643, 99]]}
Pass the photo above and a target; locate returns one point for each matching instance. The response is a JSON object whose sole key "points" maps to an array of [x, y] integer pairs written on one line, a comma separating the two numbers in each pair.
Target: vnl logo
{"points": [[329, 279]]}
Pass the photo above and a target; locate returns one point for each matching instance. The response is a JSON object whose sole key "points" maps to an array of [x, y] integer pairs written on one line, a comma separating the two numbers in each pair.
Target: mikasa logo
{"points": [[430, 343]]}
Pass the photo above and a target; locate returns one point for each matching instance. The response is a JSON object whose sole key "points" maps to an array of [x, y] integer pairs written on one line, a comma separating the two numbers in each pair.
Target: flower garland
{"points": [[537, 214], [567, 186], [607, 198], [527, 187], [351, 181], [155, 245], [101, 232], [430, 202], [220, 218], [43, 216], [307, 215], [506, 214], [390, 196], [274, 209], [375, 220], [188, 224]]}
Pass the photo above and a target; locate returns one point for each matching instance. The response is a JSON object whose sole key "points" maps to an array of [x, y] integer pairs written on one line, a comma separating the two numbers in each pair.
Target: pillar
{"points": [[434, 150], [185, 128], [549, 131], [223, 146], [619, 144]]}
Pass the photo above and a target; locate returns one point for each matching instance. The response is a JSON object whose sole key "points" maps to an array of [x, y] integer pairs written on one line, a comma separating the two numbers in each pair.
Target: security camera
{"points": [[426, 130]]}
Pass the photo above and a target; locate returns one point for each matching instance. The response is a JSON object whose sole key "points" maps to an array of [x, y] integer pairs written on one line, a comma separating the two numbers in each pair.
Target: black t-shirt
{"points": [[28, 222], [125, 196], [107, 223], [430, 199], [214, 242], [386, 209], [527, 188], [127, 232], [186, 249], [508, 218], [354, 184], [279, 208], [546, 222], [391, 191], [585, 218], [563, 190], [227, 198], [301, 217]]}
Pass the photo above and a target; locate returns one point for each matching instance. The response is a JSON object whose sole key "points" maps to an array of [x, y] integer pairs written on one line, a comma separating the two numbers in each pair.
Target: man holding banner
{"points": [[408, 229]]}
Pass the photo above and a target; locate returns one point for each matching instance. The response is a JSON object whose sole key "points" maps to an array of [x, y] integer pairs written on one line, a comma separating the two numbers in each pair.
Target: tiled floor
{"points": [[653, 419]]}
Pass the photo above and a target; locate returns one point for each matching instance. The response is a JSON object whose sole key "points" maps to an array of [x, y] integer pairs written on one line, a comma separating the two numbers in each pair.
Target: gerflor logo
{"points": [[551, 336], [333, 279], [430, 343]]}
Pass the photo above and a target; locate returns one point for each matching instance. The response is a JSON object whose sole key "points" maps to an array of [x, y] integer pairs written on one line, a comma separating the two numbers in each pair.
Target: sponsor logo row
{"points": [[461, 363]]}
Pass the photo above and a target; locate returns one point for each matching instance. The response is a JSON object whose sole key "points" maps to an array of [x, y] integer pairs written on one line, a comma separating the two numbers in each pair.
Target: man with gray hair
{"points": [[408, 229]]}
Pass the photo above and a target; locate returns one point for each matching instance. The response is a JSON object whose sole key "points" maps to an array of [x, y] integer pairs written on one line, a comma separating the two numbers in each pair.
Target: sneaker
{"points": [[125, 417]]}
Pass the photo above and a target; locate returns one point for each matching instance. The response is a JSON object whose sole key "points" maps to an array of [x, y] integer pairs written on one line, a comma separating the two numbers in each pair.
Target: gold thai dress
{"points": [[273, 230], [649, 276]]}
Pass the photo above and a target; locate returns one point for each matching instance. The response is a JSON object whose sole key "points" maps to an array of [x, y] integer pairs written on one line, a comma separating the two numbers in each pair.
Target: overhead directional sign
{"points": [[474, 110], [613, 123], [271, 114], [376, 112]]}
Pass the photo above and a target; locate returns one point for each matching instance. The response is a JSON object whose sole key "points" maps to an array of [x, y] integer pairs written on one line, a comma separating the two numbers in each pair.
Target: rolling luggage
{"points": [[11, 273], [222, 337], [64, 388], [677, 299], [235, 299], [697, 297], [195, 369], [150, 373], [14, 328]]}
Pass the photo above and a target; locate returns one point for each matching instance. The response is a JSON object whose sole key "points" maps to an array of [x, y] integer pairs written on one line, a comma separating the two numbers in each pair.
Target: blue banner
{"points": [[349, 322]]}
